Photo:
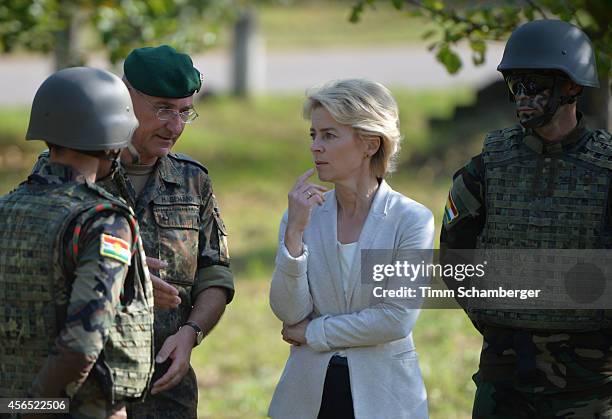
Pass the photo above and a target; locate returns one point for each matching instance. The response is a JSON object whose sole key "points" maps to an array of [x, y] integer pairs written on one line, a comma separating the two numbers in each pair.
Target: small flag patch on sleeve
{"points": [[451, 209], [116, 248]]}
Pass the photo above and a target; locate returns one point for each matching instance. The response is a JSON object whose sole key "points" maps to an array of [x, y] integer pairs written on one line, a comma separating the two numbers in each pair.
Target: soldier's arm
{"points": [[213, 255], [100, 265], [464, 217], [214, 284], [213, 288], [464, 213]]}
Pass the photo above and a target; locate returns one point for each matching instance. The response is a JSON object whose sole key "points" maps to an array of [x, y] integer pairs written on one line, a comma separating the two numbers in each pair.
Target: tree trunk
{"points": [[67, 52], [248, 56]]}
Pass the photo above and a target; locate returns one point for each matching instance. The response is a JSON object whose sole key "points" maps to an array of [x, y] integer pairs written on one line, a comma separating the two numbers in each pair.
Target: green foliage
{"points": [[477, 23], [28, 23], [187, 24], [449, 58], [121, 24]]}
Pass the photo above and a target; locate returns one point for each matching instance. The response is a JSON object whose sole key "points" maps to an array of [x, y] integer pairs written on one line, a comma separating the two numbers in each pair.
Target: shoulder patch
{"points": [[115, 248], [460, 203], [188, 159], [450, 211]]}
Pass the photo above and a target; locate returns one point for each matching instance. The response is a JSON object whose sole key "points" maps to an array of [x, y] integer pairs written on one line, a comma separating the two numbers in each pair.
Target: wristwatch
{"points": [[198, 332]]}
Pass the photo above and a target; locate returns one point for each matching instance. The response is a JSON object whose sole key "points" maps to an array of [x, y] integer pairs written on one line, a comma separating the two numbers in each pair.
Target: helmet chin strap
{"points": [[557, 99], [114, 167], [109, 155]]}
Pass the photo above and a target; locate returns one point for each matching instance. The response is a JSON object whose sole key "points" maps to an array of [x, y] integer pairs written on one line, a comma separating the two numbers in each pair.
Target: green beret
{"points": [[162, 72]]}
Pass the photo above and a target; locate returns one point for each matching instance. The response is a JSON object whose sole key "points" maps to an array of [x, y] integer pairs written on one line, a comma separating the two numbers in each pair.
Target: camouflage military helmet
{"points": [[551, 45], [83, 108]]}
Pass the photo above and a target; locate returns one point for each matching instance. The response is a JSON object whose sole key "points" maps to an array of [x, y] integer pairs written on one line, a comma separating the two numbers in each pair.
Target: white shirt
{"points": [[346, 257]]}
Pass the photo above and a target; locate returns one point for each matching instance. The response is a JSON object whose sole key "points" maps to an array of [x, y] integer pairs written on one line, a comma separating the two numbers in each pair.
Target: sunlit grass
{"points": [[254, 150], [239, 364]]}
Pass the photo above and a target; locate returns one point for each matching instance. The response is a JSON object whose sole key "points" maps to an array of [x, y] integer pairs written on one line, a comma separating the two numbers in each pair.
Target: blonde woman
{"points": [[350, 357]]}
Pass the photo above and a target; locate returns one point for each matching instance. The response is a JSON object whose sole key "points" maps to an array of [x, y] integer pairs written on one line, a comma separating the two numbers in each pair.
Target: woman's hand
{"points": [[302, 197], [296, 334]]}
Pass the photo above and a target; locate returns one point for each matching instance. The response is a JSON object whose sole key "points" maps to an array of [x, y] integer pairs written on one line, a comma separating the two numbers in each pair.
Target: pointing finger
{"points": [[304, 176]]}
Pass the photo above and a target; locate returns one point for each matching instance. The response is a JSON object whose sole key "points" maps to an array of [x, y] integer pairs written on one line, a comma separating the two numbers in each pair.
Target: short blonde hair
{"points": [[369, 108]]}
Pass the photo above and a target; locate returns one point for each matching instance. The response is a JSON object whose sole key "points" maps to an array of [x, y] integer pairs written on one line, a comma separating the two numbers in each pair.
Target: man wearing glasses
{"points": [[183, 235], [541, 184], [181, 226]]}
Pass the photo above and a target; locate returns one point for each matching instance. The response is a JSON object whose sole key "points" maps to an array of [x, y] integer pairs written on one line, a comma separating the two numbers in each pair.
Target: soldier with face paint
{"points": [[530, 183]]}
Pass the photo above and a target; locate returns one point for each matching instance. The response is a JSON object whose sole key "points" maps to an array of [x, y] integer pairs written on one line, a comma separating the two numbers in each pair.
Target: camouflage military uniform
{"points": [[63, 329], [180, 223], [537, 373]]}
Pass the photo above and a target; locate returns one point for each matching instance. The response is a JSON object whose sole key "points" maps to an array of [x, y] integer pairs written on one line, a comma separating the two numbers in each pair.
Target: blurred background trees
{"points": [[58, 26], [477, 22], [255, 146]]}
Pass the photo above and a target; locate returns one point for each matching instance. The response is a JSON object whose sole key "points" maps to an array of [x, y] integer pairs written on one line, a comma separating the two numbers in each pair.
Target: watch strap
{"points": [[198, 331]]}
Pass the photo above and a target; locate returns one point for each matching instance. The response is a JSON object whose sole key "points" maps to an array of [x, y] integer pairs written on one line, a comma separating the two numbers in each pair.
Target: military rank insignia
{"points": [[115, 248]]}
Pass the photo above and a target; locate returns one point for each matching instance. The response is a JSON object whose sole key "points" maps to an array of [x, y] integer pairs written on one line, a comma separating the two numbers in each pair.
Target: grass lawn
{"points": [[254, 150], [239, 364]]}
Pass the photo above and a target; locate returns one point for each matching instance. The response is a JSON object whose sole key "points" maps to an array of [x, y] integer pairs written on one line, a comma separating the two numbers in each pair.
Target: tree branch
{"points": [[452, 15], [536, 7]]}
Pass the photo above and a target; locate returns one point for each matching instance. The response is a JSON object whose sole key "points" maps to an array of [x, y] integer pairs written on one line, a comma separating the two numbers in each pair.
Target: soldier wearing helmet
{"points": [[183, 234], [76, 297], [541, 184]]}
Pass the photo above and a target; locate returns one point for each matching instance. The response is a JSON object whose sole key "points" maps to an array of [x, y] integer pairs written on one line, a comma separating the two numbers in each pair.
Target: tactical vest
{"points": [[555, 199], [34, 292]]}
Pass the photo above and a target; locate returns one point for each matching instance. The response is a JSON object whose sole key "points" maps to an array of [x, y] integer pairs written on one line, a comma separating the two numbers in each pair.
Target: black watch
{"points": [[198, 332]]}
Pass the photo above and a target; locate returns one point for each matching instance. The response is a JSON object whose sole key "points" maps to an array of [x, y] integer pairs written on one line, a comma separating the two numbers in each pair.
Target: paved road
{"points": [[286, 71]]}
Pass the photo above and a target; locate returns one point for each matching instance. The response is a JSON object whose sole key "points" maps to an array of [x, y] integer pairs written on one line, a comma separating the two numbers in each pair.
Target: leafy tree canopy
{"points": [[477, 22], [121, 24]]}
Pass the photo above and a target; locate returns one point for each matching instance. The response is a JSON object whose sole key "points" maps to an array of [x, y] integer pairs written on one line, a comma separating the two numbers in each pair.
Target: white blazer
{"points": [[386, 381]]}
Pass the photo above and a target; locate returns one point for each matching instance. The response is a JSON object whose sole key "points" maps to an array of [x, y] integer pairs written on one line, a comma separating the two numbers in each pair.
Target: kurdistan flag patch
{"points": [[116, 248]]}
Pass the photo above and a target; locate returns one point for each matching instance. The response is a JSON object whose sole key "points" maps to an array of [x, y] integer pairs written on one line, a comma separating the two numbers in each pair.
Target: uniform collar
{"points": [[542, 146], [168, 171], [51, 173]]}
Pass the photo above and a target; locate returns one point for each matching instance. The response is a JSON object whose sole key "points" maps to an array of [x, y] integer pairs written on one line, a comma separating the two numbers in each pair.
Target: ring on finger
{"points": [[309, 194]]}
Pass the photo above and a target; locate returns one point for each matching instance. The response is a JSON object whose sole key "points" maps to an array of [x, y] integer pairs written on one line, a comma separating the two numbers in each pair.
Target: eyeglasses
{"points": [[165, 114], [531, 84]]}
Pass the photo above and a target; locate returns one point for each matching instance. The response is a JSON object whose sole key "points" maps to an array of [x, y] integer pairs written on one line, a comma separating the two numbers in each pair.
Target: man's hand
{"points": [[164, 294], [178, 348], [296, 334]]}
